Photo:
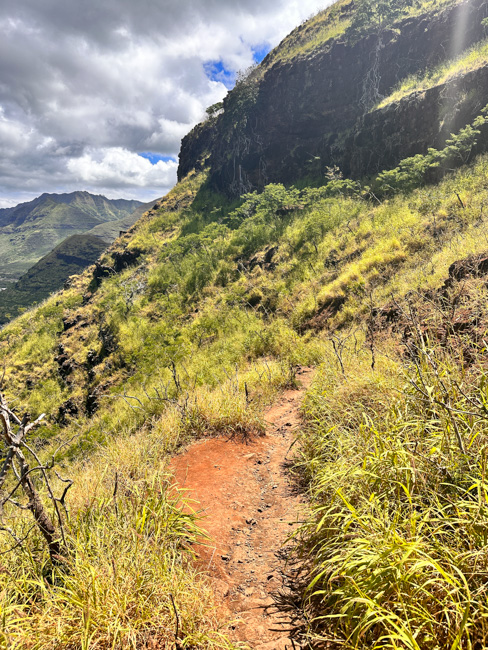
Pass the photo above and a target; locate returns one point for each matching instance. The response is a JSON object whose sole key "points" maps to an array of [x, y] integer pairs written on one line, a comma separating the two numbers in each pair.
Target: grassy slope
{"points": [[395, 543], [329, 25], [195, 300]]}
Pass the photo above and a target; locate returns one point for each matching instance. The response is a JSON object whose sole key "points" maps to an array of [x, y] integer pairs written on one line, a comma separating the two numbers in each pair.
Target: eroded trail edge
{"points": [[250, 509]]}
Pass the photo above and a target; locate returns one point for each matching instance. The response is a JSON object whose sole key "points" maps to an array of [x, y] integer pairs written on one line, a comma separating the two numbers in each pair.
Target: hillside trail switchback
{"points": [[249, 510]]}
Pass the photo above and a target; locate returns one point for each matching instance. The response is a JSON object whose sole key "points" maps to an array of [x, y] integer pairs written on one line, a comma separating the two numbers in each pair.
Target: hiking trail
{"points": [[249, 510]]}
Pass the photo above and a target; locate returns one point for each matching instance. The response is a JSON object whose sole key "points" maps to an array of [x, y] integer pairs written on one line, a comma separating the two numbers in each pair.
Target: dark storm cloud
{"points": [[87, 85]]}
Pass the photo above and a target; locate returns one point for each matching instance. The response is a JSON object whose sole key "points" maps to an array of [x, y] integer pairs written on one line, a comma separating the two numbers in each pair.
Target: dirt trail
{"points": [[250, 509]]}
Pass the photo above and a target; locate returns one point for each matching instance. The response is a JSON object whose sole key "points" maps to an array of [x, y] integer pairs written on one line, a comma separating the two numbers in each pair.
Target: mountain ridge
{"points": [[16, 215], [71, 256], [30, 230]]}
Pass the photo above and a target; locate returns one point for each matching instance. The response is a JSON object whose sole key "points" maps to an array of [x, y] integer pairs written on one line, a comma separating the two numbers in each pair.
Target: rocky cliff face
{"points": [[314, 111], [416, 122]]}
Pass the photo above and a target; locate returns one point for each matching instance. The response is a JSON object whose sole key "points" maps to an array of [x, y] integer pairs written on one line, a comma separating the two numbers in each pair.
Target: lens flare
{"points": [[458, 40], [457, 45]]}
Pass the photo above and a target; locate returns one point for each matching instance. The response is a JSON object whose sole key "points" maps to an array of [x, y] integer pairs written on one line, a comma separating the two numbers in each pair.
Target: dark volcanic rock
{"points": [[66, 410], [474, 266], [124, 259], [313, 111], [196, 146], [101, 271], [92, 359], [450, 315], [415, 123], [92, 402], [70, 321], [65, 363], [109, 342], [121, 260], [329, 309]]}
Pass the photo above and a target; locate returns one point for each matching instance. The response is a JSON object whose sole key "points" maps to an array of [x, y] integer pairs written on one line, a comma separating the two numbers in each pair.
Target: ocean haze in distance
{"points": [[97, 96]]}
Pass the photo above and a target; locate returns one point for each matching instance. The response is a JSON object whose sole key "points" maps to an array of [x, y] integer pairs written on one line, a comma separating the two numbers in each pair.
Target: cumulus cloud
{"points": [[87, 86], [119, 168]]}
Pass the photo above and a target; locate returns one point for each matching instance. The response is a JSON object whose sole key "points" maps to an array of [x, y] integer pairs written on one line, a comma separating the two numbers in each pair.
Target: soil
{"points": [[250, 509]]}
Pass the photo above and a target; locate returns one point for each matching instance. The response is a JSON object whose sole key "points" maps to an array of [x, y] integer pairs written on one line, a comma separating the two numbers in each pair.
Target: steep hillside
{"points": [[31, 230], [195, 320], [307, 107], [49, 274]]}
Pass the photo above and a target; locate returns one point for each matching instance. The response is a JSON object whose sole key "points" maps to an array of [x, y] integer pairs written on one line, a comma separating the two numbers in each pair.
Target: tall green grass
{"points": [[396, 463], [196, 339], [128, 581]]}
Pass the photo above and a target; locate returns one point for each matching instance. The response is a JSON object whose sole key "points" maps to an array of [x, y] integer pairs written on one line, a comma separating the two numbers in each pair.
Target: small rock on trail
{"points": [[249, 510]]}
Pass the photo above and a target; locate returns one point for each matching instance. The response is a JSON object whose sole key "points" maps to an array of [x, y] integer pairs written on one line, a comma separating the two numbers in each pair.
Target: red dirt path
{"points": [[250, 509]]}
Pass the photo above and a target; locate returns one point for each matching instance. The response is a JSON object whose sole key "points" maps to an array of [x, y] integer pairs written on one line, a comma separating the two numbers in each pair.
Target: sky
{"points": [[96, 94]]}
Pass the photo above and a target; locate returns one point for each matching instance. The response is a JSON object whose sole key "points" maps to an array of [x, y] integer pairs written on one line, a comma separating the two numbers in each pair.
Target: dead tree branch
{"points": [[16, 444]]}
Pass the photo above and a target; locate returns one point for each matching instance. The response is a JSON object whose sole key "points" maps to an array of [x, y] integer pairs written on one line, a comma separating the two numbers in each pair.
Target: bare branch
{"points": [[33, 425], [19, 542], [49, 489], [6, 466], [18, 505], [19, 483]]}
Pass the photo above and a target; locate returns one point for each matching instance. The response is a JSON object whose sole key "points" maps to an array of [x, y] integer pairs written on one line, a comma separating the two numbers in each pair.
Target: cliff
{"points": [[298, 116]]}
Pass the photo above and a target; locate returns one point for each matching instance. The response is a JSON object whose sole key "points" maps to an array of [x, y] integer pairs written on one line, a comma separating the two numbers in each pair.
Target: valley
{"points": [[31, 230], [43, 242]]}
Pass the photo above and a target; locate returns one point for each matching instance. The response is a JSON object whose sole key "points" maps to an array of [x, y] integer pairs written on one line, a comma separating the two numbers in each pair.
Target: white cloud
{"points": [[118, 168], [85, 86]]}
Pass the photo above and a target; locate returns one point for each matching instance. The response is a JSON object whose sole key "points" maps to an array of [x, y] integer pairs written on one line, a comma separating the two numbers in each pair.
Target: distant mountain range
{"points": [[46, 240], [31, 230]]}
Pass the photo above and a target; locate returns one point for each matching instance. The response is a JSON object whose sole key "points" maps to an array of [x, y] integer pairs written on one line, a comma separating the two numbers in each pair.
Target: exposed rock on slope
{"points": [[414, 123], [312, 111]]}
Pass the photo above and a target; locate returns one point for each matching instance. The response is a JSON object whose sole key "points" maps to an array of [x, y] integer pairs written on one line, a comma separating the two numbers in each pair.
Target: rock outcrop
{"points": [[314, 110]]}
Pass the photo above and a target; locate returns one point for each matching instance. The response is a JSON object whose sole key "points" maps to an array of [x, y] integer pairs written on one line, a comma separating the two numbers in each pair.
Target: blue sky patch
{"points": [[154, 158], [216, 71], [260, 52]]}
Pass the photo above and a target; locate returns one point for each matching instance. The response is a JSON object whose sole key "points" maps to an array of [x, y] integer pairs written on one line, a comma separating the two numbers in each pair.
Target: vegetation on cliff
{"points": [[475, 57], [295, 116], [187, 327], [348, 20]]}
